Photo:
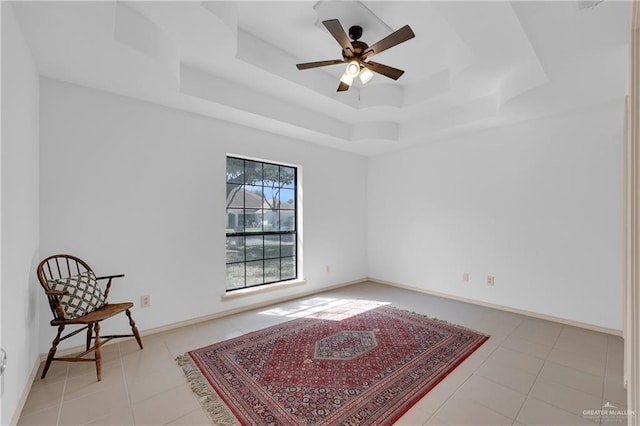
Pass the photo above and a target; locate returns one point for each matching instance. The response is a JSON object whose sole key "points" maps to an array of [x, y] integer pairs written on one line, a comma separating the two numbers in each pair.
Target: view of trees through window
{"points": [[261, 223]]}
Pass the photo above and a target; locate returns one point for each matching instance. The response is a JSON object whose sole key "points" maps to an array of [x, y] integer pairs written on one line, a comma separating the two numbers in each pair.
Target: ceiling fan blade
{"points": [[385, 70], [317, 64], [400, 36], [336, 30], [343, 87]]}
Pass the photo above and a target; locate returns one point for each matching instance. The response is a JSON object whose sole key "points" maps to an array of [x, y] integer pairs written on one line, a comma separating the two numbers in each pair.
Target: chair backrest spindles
{"points": [[49, 268], [46, 266], [58, 267]]}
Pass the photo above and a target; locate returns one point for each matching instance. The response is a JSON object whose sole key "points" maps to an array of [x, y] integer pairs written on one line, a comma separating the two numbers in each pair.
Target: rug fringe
{"points": [[217, 410]]}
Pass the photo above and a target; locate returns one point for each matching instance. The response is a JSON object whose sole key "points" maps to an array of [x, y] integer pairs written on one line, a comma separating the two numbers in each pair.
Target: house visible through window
{"points": [[261, 223]]}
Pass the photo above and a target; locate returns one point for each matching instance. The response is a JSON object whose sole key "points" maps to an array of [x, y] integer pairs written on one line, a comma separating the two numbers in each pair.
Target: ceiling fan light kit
{"points": [[365, 75], [356, 52], [346, 79], [353, 69]]}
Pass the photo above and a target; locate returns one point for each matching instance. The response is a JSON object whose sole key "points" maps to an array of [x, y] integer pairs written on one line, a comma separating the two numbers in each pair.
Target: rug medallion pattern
{"points": [[369, 368]]}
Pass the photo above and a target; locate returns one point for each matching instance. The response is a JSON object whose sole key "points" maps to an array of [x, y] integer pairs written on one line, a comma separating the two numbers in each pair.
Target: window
{"points": [[261, 223]]}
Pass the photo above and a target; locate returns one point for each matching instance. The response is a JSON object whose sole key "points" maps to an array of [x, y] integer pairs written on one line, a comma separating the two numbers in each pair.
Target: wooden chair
{"points": [[76, 299]]}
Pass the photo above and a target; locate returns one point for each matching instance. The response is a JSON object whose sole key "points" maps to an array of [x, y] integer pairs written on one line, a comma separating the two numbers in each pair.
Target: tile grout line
{"points": [[199, 405], [524, 319], [126, 385], [528, 396], [551, 403], [64, 389], [200, 408], [473, 373], [577, 388], [470, 375], [450, 396]]}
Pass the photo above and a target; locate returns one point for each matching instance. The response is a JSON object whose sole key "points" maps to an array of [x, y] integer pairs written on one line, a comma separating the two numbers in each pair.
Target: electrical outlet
{"points": [[465, 277], [145, 301], [490, 280], [327, 268]]}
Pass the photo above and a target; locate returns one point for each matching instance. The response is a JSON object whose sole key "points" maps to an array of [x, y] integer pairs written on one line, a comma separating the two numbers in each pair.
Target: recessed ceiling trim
{"points": [[226, 12], [521, 61], [200, 84], [352, 13], [478, 109], [135, 30], [375, 130], [382, 95], [527, 75], [268, 57]]}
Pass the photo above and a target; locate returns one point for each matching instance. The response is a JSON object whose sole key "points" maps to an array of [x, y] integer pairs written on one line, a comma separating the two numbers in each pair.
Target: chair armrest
{"points": [[108, 287], [56, 306], [110, 277], [56, 292]]}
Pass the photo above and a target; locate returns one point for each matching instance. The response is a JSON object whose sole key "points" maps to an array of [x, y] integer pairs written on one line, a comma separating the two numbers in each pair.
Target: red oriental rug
{"points": [[366, 368]]}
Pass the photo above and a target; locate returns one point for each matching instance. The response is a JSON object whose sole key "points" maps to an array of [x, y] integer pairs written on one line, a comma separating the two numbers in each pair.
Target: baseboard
{"points": [[197, 320], [25, 392], [552, 318]]}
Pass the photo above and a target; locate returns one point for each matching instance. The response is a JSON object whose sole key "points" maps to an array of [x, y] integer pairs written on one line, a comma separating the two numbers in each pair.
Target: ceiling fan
{"points": [[356, 52]]}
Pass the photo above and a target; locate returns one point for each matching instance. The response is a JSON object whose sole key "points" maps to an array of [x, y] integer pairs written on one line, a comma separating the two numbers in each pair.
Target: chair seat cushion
{"points": [[84, 295]]}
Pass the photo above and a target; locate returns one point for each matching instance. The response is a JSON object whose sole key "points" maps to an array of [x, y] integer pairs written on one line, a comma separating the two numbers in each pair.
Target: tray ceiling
{"points": [[472, 65]]}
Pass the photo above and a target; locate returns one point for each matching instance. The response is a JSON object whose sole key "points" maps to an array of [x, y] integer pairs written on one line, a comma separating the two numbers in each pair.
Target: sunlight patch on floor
{"points": [[326, 308]]}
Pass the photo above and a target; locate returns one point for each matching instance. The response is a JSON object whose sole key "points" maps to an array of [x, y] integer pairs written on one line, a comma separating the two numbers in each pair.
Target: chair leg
{"points": [[134, 328], [52, 352], [98, 352], [89, 335]]}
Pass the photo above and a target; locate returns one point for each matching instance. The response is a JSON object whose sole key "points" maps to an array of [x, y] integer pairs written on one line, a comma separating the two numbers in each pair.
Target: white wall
{"points": [[538, 205], [20, 289], [139, 189]]}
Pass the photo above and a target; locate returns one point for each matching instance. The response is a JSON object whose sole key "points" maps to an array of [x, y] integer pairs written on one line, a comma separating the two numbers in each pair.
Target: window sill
{"points": [[262, 289]]}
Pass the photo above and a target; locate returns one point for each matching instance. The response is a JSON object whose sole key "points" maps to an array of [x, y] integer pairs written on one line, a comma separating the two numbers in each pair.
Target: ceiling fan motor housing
{"points": [[355, 32], [359, 48]]}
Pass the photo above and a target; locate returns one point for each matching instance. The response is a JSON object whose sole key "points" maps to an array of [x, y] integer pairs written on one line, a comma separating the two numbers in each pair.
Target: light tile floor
{"points": [[530, 372]]}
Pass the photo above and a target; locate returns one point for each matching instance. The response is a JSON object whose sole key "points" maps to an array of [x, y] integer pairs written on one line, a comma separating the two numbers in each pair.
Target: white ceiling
{"points": [[472, 65]]}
